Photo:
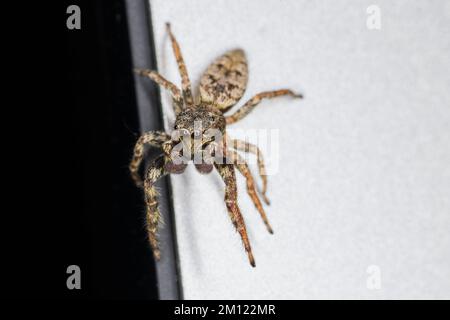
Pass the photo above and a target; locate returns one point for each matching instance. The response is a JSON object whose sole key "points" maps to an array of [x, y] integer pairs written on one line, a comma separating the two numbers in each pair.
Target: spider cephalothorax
{"points": [[205, 116], [199, 136]]}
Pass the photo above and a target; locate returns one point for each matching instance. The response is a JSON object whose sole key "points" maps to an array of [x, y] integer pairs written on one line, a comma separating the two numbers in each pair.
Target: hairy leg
{"points": [[248, 147], [253, 102], [153, 138], [153, 216], [227, 173], [185, 82], [242, 166], [159, 79]]}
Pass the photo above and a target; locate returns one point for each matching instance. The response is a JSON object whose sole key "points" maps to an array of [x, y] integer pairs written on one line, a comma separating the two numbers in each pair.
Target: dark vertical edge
{"points": [[170, 212], [151, 118]]}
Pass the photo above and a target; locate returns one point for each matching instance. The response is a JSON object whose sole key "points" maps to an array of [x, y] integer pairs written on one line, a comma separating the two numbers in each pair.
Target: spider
{"points": [[221, 86]]}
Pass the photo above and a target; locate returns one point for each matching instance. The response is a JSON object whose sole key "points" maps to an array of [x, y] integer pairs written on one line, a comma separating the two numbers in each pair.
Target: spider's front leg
{"points": [[227, 173], [153, 138], [155, 171], [185, 82], [242, 166]]}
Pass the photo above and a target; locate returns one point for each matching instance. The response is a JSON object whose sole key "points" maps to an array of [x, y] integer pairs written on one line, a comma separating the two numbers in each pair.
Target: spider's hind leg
{"points": [[159, 79], [227, 173], [253, 102]]}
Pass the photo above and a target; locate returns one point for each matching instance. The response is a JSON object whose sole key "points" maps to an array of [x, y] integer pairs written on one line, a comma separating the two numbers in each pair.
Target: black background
{"points": [[73, 127]]}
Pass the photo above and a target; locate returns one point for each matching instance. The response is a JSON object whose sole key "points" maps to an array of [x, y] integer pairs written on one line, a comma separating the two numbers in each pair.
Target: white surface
{"points": [[364, 175]]}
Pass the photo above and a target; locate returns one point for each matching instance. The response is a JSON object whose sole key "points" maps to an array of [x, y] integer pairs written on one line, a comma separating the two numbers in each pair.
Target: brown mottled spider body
{"points": [[200, 135]]}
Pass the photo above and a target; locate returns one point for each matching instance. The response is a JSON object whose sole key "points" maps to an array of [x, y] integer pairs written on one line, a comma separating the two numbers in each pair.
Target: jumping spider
{"points": [[221, 86]]}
